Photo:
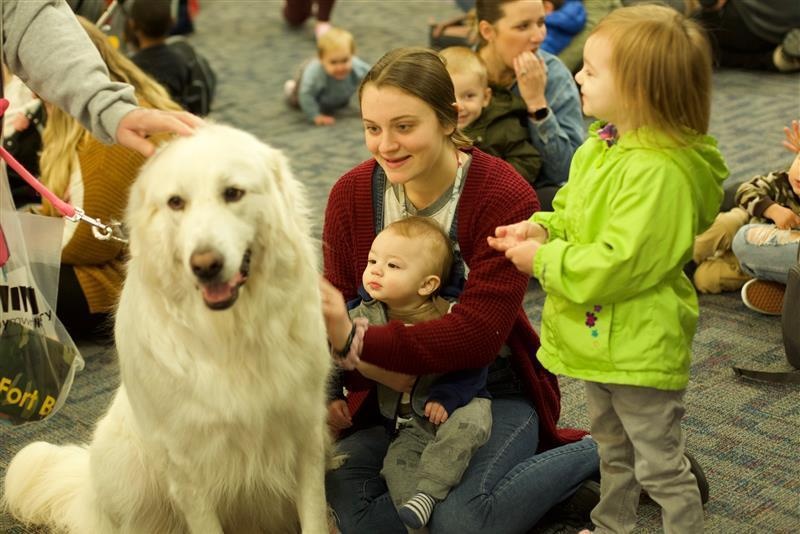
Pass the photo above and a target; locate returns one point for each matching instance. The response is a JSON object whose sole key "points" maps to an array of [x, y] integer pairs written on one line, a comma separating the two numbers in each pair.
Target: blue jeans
{"points": [[507, 487], [767, 255]]}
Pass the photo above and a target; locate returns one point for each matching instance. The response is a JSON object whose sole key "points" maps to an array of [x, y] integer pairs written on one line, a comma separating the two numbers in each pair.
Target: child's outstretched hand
{"points": [[523, 255], [506, 237], [435, 412], [324, 120], [793, 137]]}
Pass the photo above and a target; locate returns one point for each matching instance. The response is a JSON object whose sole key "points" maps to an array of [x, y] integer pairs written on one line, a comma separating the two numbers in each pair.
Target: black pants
{"points": [[73, 310], [734, 45]]}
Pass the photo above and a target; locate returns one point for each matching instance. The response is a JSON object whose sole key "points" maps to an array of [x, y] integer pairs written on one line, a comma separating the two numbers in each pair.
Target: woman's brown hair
{"points": [[419, 72]]}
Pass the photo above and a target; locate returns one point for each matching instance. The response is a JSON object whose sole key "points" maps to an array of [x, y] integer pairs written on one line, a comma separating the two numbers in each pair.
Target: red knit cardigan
{"points": [[489, 311]]}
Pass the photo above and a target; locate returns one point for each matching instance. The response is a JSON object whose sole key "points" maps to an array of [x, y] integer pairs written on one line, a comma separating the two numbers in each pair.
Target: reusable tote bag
{"points": [[38, 359]]}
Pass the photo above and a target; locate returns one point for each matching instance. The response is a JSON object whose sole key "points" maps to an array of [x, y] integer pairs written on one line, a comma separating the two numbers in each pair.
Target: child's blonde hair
{"points": [[62, 133], [462, 60], [436, 245], [662, 66], [335, 39]]}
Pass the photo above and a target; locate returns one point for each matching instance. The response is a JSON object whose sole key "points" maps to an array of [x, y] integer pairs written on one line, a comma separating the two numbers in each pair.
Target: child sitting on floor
{"points": [[326, 83]]}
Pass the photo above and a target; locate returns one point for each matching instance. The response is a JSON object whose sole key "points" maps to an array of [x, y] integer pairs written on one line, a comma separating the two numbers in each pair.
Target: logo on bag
{"points": [[18, 298]]}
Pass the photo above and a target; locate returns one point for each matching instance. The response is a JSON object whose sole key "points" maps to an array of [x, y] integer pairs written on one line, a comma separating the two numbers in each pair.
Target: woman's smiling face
{"points": [[402, 132]]}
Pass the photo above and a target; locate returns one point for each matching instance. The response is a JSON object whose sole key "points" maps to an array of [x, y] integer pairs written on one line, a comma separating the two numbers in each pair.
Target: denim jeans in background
{"points": [[506, 489], [770, 260]]}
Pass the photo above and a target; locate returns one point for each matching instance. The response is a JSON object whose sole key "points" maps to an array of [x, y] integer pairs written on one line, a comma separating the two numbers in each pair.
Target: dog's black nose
{"points": [[206, 264]]}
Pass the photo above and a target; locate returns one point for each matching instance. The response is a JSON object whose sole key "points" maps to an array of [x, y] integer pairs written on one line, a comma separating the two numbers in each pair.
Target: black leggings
{"points": [[297, 12], [73, 310]]}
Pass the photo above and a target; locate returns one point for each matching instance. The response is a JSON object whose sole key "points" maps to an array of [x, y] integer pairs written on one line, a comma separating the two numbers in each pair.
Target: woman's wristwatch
{"points": [[539, 114]]}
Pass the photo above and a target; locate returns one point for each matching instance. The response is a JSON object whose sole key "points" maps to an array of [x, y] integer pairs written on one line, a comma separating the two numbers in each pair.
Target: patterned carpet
{"points": [[746, 435]]}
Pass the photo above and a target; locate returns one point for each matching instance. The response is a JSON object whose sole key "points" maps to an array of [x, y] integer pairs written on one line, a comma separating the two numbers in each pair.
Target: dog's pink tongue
{"points": [[221, 292], [217, 292]]}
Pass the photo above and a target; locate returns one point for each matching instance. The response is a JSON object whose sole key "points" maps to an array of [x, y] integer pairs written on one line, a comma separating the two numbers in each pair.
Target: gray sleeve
{"points": [[45, 46], [312, 82]]}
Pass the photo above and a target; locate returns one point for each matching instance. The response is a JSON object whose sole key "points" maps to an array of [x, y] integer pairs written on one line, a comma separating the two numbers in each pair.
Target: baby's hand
{"points": [[435, 412], [339, 415], [793, 137], [324, 120], [784, 218]]}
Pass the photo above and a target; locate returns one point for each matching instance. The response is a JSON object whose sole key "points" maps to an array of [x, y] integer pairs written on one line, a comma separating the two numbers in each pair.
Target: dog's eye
{"points": [[176, 203], [232, 194]]}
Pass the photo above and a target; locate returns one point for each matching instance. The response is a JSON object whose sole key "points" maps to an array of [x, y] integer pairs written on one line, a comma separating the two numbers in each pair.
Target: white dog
{"points": [[219, 424]]}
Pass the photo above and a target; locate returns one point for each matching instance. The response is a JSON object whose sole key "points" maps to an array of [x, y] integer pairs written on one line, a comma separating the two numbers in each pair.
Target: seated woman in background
{"points": [[511, 33], [85, 172]]}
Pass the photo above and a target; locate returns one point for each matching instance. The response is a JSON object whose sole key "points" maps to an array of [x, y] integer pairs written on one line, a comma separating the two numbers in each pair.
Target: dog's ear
{"points": [[291, 189]]}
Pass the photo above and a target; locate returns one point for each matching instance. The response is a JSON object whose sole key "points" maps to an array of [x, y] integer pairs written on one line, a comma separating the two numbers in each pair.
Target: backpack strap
{"points": [[773, 377]]}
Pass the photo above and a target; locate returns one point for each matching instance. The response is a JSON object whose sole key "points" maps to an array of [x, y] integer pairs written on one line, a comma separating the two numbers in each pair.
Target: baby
{"points": [[326, 83]]}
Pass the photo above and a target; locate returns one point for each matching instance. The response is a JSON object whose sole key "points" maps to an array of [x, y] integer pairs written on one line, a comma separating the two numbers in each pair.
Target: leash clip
{"points": [[100, 230]]}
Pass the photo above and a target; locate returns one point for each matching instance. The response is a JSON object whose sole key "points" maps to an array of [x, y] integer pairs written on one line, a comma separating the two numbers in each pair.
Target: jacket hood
{"points": [[698, 155]]}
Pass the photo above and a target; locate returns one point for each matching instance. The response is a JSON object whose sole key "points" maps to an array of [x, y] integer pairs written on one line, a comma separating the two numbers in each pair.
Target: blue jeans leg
{"points": [[357, 492], [765, 252], [507, 487]]}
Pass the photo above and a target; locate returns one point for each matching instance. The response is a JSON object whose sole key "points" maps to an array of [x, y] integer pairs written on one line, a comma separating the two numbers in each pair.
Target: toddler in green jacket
{"points": [[620, 313]]}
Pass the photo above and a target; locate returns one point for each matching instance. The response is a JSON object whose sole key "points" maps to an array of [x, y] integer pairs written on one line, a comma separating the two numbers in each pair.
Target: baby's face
{"points": [[471, 96], [794, 175], [396, 270], [337, 62]]}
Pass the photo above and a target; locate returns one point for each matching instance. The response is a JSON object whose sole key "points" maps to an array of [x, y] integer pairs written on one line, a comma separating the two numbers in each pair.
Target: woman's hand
{"points": [[339, 416], [506, 237], [400, 382], [136, 125], [531, 75], [793, 137], [334, 311]]}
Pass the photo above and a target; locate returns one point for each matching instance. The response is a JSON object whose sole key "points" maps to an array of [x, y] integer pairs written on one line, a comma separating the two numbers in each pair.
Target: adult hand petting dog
{"points": [[141, 122]]}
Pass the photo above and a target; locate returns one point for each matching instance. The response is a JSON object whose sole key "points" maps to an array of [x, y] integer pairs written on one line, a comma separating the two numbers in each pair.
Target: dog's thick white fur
{"points": [[219, 424]]}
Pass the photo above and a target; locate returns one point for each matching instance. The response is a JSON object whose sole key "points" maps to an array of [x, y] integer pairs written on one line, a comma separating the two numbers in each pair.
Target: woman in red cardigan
{"points": [[424, 166]]}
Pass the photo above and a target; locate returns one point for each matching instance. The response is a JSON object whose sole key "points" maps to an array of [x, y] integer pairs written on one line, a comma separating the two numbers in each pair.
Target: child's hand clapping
{"points": [[793, 137], [506, 237], [435, 412]]}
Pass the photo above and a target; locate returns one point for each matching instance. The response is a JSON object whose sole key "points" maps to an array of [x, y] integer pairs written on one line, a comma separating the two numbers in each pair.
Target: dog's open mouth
{"points": [[222, 295]]}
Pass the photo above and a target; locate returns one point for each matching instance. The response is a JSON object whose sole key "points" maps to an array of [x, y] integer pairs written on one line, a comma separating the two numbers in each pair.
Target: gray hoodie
{"points": [[47, 48]]}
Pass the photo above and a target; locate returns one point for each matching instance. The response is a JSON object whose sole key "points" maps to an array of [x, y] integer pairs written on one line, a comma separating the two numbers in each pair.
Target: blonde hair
{"points": [[436, 245], [63, 134], [662, 66], [335, 38], [420, 72], [462, 60]]}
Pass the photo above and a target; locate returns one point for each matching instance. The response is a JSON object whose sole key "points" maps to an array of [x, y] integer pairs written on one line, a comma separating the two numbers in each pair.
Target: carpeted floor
{"points": [[746, 435]]}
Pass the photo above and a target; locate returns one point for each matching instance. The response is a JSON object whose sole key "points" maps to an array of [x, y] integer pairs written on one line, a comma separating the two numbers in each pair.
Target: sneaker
{"points": [[791, 44], [763, 296], [583, 501], [784, 62], [699, 474], [288, 88], [321, 29]]}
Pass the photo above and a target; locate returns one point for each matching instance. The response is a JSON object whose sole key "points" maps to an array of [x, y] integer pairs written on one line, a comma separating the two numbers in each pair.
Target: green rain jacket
{"points": [[619, 309]]}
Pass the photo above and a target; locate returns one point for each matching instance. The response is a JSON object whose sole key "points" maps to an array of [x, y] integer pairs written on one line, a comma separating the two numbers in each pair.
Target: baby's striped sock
{"points": [[417, 511]]}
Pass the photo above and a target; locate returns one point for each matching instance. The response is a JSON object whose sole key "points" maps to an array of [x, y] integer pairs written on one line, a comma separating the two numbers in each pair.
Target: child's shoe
{"points": [[416, 512], [787, 56], [763, 296], [321, 29], [290, 92]]}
